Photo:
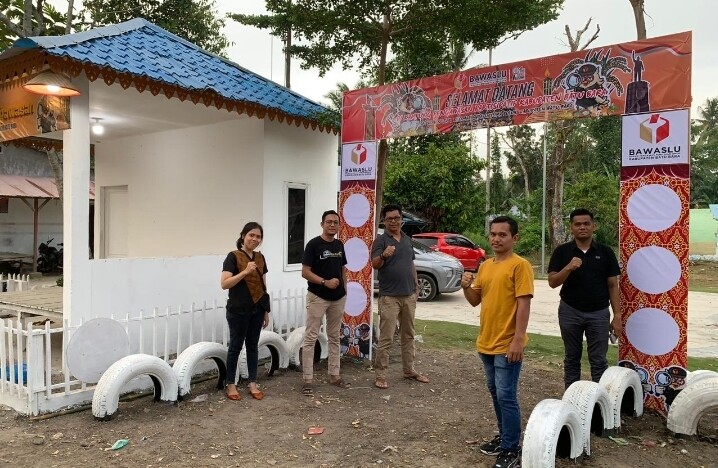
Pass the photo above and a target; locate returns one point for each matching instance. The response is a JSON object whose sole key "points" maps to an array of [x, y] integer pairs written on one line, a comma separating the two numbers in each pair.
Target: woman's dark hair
{"points": [[248, 227]]}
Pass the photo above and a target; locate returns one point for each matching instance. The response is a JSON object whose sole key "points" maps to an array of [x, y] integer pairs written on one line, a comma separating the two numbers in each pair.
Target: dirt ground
{"points": [[410, 424], [704, 275]]}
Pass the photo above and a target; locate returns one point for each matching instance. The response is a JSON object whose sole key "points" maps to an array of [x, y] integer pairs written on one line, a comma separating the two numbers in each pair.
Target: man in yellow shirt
{"points": [[504, 286]]}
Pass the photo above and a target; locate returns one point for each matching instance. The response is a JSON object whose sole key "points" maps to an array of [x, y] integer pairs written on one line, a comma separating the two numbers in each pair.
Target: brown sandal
{"points": [[258, 395], [233, 396], [339, 382], [418, 377], [381, 383]]}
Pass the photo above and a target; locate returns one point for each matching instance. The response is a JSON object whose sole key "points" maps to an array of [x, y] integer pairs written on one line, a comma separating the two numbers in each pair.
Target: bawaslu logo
{"points": [[359, 161], [655, 129], [653, 139], [359, 154]]}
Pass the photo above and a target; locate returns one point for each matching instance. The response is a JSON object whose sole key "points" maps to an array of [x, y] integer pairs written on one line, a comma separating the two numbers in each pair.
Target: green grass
{"points": [[549, 349], [702, 232]]}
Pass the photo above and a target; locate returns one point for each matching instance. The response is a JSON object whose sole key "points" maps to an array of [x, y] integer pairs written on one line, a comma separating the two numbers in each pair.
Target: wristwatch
{"points": [[323, 280]]}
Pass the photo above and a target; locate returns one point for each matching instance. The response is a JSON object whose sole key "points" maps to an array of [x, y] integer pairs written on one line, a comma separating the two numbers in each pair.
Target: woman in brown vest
{"points": [[243, 273]]}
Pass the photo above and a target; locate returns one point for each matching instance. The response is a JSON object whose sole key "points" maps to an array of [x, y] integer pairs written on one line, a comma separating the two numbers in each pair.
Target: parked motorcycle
{"points": [[49, 259]]}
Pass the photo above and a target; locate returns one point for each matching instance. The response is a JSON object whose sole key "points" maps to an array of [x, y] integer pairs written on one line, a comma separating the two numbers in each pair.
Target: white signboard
{"points": [[655, 138], [359, 161]]}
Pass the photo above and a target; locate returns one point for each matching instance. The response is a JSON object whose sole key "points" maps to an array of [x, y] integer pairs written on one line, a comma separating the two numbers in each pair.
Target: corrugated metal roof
{"points": [[140, 48], [32, 187]]}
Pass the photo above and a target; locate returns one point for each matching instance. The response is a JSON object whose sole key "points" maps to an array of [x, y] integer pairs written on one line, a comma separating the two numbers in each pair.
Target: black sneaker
{"points": [[508, 459], [491, 447]]}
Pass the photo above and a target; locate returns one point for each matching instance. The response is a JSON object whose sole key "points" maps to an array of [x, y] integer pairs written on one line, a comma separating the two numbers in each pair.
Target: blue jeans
{"points": [[502, 378], [244, 329]]}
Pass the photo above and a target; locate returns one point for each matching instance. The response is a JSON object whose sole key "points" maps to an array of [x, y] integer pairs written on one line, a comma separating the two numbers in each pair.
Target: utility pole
{"points": [[488, 168]]}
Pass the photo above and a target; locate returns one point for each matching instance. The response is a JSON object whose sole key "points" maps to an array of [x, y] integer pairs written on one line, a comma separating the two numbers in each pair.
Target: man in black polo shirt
{"points": [[588, 275]]}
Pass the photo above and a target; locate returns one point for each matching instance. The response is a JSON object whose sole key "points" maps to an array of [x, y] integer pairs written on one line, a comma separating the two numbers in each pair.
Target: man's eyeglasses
{"points": [[392, 219]]}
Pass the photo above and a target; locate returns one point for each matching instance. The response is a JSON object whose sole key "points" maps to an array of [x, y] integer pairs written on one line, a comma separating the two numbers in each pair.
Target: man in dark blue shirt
{"points": [[588, 275]]}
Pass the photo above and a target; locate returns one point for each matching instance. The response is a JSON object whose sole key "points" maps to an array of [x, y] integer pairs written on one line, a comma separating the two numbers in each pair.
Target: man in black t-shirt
{"points": [[324, 268], [588, 275]]}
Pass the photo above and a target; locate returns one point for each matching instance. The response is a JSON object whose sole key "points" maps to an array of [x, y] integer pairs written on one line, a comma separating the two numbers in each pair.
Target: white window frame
{"points": [[285, 222]]}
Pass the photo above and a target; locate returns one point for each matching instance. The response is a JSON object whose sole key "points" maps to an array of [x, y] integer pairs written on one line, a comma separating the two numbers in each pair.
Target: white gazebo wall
{"points": [[16, 226], [189, 192]]}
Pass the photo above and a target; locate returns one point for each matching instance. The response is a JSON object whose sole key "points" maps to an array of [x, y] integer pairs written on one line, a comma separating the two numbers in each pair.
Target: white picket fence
{"points": [[14, 282], [35, 379]]}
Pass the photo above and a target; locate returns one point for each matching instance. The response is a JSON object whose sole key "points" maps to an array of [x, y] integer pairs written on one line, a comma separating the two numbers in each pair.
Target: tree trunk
{"points": [[70, 8], [638, 14], [383, 152], [558, 230], [27, 19], [55, 158], [287, 55]]}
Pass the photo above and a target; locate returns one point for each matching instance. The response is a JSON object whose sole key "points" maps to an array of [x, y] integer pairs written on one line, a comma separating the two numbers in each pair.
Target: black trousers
{"points": [[244, 329], [574, 323]]}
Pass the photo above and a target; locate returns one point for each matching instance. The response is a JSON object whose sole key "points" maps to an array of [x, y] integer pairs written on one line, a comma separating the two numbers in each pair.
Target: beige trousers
{"points": [[316, 309], [393, 310]]}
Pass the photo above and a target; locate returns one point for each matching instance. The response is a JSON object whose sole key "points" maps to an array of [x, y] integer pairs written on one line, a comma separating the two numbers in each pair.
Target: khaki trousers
{"points": [[317, 308], [393, 310]]}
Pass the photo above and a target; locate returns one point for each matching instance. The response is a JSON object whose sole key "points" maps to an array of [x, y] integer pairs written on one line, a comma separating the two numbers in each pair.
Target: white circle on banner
{"points": [[652, 331], [653, 270], [654, 208], [356, 299], [356, 210], [357, 254]]}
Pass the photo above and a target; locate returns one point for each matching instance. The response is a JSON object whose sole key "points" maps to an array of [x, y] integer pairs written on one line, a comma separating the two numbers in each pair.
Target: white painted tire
{"points": [[107, 392], [617, 381], [277, 347], [691, 404], [543, 434], [185, 364], [591, 400], [698, 375], [295, 341]]}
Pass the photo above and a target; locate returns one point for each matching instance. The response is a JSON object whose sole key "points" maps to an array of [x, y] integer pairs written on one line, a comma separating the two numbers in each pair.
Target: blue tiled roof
{"points": [[141, 48]]}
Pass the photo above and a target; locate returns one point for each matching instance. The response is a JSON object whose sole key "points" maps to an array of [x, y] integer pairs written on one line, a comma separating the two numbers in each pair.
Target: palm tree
{"points": [[707, 123]]}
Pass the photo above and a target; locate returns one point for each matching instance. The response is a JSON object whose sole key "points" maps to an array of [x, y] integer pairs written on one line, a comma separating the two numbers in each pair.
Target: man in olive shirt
{"points": [[392, 255], [588, 275]]}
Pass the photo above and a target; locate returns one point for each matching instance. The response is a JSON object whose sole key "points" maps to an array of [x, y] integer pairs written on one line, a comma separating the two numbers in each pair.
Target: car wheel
{"points": [[427, 287]]}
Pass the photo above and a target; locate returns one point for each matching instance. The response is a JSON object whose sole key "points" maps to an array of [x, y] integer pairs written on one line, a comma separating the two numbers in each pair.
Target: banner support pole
{"points": [[543, 203]]}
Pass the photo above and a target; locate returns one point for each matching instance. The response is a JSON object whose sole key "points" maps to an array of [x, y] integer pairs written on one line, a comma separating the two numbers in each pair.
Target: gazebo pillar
{"points": [[76, 297]]}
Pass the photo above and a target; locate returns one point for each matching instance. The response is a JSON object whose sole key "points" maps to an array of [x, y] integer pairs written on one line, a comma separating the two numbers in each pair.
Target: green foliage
{"points": [[359, 35], [529, 237], [597, 192], [604, 152], [53, 22], [704, 155], [193, 20], [438, 185]]}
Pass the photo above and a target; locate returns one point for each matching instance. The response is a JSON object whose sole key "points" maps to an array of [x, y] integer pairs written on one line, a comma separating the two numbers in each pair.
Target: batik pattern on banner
{"points": [[633, 77], [357, 198], [653, 218]]}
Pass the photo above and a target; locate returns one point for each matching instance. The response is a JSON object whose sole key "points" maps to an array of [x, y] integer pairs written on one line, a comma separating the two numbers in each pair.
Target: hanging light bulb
{"points": [[97, 127], [51, 84]]}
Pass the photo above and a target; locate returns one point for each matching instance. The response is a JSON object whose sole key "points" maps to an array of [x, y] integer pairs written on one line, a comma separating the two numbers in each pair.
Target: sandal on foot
{"points": [[339, 382], [307, 389], [418, 377], [233, 396], [258, 395], [381, 383]]}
